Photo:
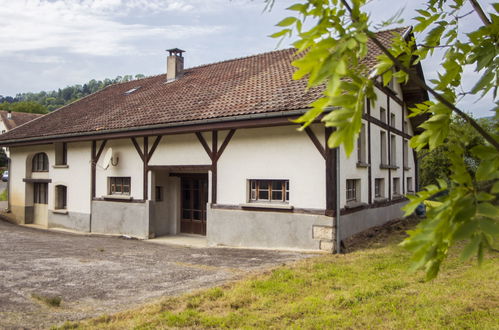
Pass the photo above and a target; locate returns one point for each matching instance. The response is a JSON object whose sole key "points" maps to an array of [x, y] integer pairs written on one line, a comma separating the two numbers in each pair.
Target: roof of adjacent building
{"points": [[17, 118], [253, 85]]}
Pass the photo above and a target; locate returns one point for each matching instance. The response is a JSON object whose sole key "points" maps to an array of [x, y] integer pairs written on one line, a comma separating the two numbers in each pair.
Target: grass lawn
{"points": [[368, 287]]}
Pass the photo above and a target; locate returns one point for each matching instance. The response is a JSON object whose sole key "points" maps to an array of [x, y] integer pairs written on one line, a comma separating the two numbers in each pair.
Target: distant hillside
{"points": [[44, 102]]}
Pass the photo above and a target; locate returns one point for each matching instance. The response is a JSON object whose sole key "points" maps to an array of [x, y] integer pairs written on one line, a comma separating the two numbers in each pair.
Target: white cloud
{"points": [[86, 27]]}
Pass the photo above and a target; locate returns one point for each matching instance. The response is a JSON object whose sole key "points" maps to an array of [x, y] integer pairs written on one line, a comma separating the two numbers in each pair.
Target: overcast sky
{"points": [[49, 44]]}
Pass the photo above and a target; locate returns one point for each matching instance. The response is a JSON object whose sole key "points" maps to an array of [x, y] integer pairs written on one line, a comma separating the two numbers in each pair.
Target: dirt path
{"points": [[97, 275]]}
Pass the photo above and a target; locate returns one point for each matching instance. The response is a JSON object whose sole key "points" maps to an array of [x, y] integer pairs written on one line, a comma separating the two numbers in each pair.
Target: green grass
{"points": [[3, 195], [367, 288], [53, 301]]}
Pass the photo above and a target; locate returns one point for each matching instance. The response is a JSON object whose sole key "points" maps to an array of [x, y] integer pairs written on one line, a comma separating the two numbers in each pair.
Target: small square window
{"points": [[352, 190], [119, 185]]}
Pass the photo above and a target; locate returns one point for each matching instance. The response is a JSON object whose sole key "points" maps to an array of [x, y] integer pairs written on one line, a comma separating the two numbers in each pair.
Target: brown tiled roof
{"points": [[252, 85], [17, 118]]}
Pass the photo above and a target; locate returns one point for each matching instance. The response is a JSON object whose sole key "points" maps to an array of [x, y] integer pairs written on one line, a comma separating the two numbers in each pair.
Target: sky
{"points": [[50, 44]]}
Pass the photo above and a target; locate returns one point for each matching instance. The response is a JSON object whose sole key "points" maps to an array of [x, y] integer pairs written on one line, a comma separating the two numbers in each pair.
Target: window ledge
{"points": [[407, 168], [60, 211], [398, 196], [267, 206], [354, 205], [60, 166], [389, 167], [120, 197], [361, 164]]}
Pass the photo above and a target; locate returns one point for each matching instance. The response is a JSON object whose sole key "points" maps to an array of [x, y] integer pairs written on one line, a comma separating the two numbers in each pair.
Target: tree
{"points": [[436, 164], [332, 52]]}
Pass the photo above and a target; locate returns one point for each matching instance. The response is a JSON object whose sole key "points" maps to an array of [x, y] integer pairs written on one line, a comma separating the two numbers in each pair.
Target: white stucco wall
{"points": [[181, 149], [76, 177], [129, 165], [273, 153]]}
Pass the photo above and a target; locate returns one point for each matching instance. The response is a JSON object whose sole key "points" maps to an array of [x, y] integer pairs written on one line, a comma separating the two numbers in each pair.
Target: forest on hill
{"points": [[44, 102]]}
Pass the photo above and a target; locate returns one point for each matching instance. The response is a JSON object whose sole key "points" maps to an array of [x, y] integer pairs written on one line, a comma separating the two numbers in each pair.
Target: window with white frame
{"points": [[273, 191], [119, 185], [40, 193], [382, 114], [61, 153], [392, 120], [352, 190], [40, 162], [406, 154], [393, 150], [409, 186], [396, 186], [379, 188], [384, 158], [61, 197], [361, 146]]}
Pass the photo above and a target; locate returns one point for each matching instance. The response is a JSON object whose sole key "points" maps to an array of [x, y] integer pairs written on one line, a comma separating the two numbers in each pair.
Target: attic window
{"points": [[130, 91]]}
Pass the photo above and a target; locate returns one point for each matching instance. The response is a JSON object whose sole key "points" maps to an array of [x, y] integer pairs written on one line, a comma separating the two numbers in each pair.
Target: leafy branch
{"points": [[331, 54]]}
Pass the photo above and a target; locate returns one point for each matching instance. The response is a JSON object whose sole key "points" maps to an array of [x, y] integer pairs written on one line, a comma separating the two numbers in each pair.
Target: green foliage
{"points": [[331, 55], [43, 102], [23, 106], [436, 164]]}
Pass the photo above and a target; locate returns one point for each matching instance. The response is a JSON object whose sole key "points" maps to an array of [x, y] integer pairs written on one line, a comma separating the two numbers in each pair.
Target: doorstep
{"points": [[196, 241]]}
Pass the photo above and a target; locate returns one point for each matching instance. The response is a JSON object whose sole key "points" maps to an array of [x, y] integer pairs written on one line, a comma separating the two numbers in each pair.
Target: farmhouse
{"points": [[211, 151], [10, 120]]}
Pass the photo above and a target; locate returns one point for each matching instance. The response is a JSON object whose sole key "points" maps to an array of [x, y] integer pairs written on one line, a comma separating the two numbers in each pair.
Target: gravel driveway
{"points": [[98, 275]]}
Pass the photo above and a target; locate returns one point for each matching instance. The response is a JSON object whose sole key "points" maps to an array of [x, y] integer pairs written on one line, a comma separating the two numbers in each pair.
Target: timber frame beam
{"points": [[145, 154], [214, 153], [94, 159]]}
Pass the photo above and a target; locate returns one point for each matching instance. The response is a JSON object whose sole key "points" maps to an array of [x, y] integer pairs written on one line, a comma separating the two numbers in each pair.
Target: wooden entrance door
{"points": [[194, 196]]}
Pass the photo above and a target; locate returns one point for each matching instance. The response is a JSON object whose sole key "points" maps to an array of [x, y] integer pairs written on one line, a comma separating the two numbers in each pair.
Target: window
{"points": [[406, 154], [119, 185], [382, 114], [40, 162], [269, 191], [384, 159], [392, 120], [60, 197], [61, 153], [352, 195], [159, 193], [404, 128], [396, 186], [409, 185], [40, 193], [379, 188], [361, 146], [393, 150]]}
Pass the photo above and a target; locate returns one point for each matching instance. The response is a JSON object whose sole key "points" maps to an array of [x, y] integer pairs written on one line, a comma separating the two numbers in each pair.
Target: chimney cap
{"points": [[175, 52]]}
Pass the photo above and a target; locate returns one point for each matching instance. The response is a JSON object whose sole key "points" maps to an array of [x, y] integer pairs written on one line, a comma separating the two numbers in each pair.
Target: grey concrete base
{"points": [[263, 229], [18, 214], [354, 223], [109, 217], [72, 220]]}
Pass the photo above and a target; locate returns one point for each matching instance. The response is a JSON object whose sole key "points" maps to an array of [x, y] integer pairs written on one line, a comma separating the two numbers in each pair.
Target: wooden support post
{"points": [[214, 153], [369, 169], [145, 161], [389, 149], [94, 159], [331, 193], [315, 141]]}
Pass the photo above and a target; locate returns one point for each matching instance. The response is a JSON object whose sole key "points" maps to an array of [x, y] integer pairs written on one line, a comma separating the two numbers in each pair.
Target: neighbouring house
{"points": [[211, 150], [10, 120]]}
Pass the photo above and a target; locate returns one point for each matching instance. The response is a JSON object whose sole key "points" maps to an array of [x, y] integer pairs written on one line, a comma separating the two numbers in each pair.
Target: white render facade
{"points": [[152, 196]]}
